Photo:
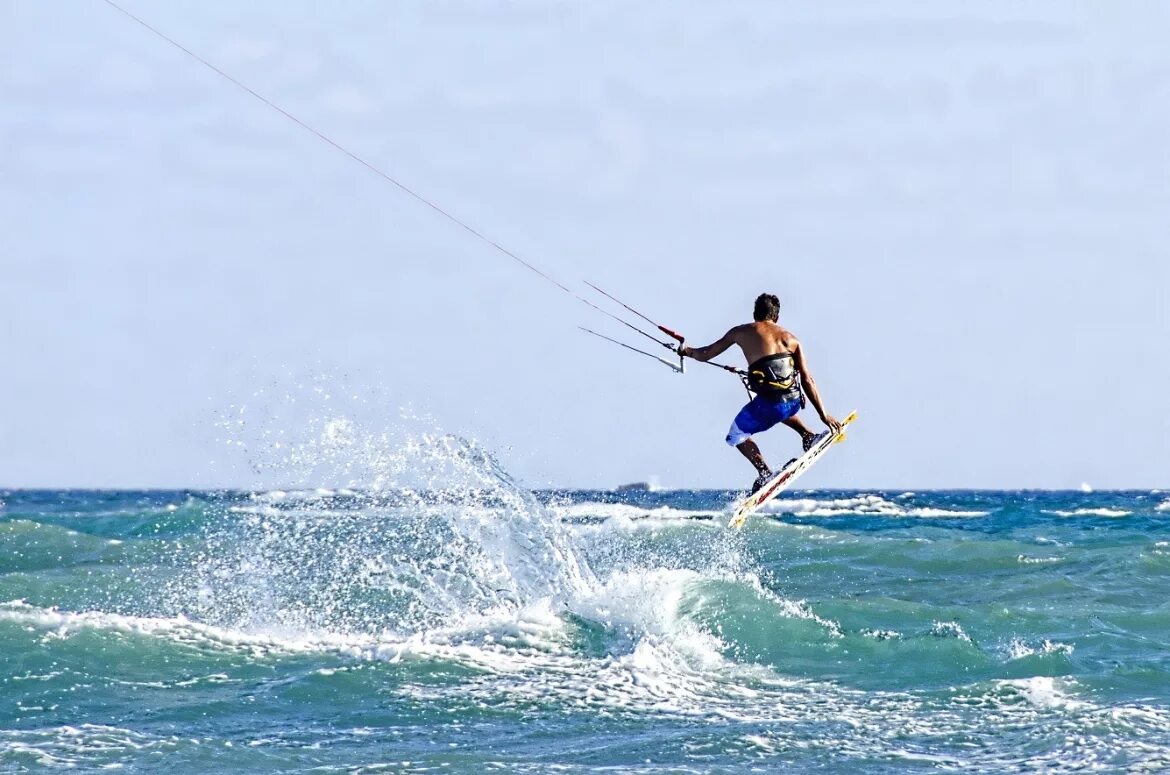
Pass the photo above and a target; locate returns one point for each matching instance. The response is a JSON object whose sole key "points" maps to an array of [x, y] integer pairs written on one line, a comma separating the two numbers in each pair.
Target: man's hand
{"points": [[685, 352], [832, 422]]}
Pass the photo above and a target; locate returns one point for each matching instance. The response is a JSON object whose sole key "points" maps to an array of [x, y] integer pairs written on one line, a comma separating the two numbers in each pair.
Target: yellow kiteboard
{"points": [[783, 478]]}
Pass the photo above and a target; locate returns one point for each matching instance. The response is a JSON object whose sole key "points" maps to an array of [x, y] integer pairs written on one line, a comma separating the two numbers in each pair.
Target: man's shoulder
{"points": [[789, 339], [736, 331]]}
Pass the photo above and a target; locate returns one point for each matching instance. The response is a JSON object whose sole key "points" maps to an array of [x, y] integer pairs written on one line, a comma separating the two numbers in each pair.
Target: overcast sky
{"points": [[964, 208]]}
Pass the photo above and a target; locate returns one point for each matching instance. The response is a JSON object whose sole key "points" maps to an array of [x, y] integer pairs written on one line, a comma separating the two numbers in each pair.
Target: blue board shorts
{"points": [[758, 415]]}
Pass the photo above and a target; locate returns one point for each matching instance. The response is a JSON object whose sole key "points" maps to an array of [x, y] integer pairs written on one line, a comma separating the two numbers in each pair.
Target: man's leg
{"points": [[807, 437], [752, 453], [740, 436]]}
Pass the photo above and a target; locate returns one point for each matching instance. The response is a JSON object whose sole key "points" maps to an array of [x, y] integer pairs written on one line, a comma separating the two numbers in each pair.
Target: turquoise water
{"points": [[486, 628]]}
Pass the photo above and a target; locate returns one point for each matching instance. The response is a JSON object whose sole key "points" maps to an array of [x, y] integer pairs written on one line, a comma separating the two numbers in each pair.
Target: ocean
{"points": [[482, 627]]}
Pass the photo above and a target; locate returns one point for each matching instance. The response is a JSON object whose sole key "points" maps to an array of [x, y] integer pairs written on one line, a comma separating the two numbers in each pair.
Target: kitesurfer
{"points": [[779, 377]]}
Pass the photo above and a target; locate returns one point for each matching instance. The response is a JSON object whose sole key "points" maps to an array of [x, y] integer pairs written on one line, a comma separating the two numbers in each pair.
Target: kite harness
{"points": [[776, 377]]}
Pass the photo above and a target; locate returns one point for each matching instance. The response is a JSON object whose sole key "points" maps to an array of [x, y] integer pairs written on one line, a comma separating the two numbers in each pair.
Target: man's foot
{"points": [[809, 439], [761, 480]]}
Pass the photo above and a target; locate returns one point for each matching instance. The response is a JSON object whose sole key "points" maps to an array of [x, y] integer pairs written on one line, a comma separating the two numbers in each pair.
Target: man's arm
{"points": [[810, 387], [710, 351]]}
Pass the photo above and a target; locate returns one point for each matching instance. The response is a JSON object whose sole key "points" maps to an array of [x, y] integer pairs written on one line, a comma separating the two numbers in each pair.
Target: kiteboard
{"points": [[784, 478]]}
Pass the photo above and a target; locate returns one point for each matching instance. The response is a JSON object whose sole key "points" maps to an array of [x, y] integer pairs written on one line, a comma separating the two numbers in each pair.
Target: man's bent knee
{"points": [[736, 436]]}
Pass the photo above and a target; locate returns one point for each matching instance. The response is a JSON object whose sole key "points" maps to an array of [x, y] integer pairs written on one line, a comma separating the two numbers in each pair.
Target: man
{"points": [[777, 373]]}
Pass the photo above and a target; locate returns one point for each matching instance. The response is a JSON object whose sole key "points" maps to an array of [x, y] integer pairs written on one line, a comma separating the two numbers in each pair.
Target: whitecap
{"points": [[860, 505], [1018, 648], [1024, 559], [949, 630], [1046, 692], [1096, 512], [628, 513]]}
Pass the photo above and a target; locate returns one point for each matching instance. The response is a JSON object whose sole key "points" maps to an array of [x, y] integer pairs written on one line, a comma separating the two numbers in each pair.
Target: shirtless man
{"points": [[777, 373]]}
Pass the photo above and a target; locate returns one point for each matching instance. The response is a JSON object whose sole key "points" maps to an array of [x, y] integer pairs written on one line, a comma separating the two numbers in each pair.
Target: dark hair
{"points": [[767, 307]]}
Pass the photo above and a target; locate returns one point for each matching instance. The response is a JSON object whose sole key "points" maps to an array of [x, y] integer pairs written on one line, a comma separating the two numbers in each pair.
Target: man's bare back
{"points": [[763, 338]]}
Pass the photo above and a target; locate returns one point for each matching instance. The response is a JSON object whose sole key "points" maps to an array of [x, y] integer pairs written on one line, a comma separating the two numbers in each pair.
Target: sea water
{"points": [[474, 626]]}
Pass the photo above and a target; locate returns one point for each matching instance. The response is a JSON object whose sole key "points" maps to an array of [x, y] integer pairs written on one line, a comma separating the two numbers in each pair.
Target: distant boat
{"points": [[634, 487]]}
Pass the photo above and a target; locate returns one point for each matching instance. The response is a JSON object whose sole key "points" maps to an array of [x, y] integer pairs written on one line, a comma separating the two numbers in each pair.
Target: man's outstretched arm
{"points": [[810, 387], [710, 351]]}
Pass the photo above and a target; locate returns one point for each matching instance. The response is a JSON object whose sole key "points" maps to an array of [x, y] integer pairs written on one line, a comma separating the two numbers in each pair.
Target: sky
{"points": [[964, 208]]}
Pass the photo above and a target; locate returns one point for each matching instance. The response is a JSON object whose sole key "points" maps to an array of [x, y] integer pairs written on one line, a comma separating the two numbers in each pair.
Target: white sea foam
{"points": [[864, 505], [949, 630], [628, 513], [500, 643], [1163, 506], [1089, 512], [68, 747], [929, 512], [1018, 648], [1024, 559], [302, 511], [65, 624], [1046, 692]]}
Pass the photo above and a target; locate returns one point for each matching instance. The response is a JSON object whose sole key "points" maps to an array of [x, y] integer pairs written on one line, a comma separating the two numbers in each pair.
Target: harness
{"points": [[775, 377]]}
